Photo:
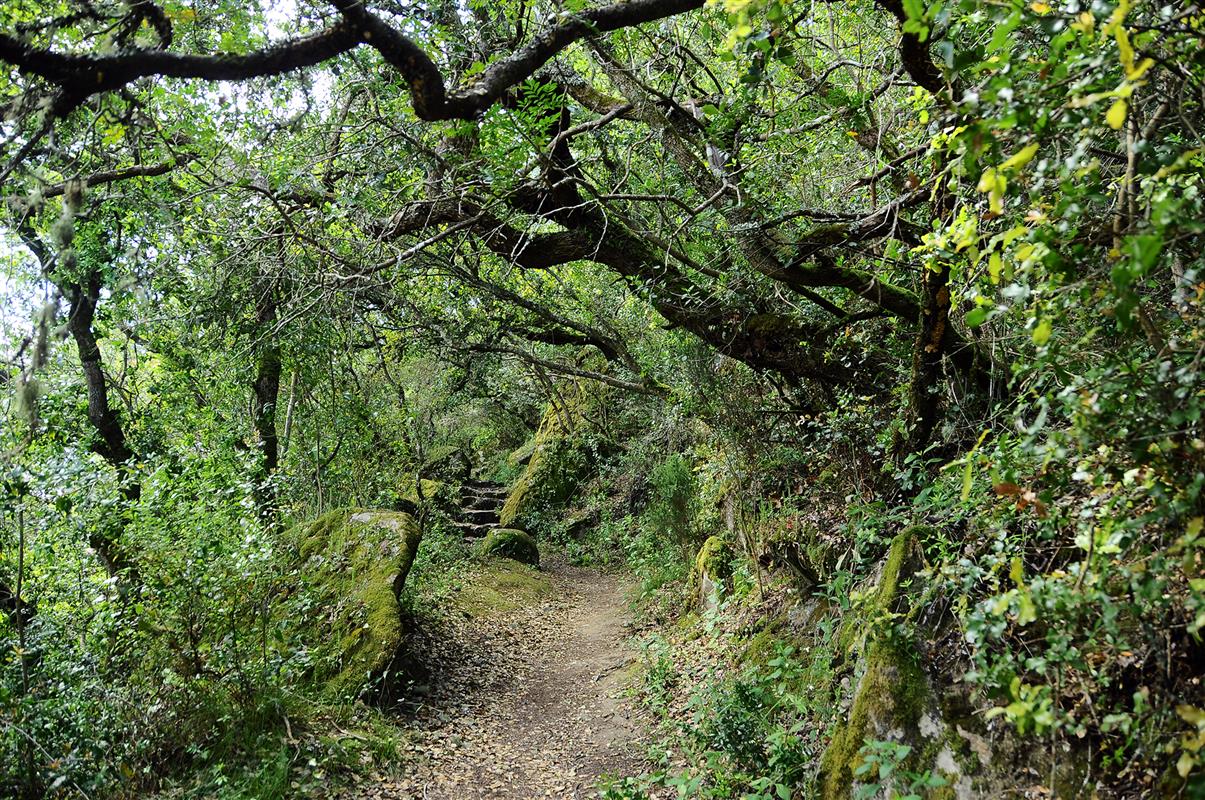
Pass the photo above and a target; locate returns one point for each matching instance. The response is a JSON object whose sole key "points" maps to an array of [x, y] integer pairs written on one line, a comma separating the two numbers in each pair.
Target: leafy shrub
{"points": [[673, 504]]}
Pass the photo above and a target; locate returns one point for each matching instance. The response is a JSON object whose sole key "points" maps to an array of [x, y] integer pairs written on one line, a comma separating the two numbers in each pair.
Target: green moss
{"points": [[500, 586], [510, 543], [522, 454], [766, 323], [760, 647], [551, 476], [557, 461], [712, 571], [433, 492], [896, 568], [448, 461], [715, 557], [313, 537], [902, 559], [893, 692], [357, 562]]}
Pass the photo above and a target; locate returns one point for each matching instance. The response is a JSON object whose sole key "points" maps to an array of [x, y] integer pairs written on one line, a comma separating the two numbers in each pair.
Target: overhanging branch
{"points": [[80, 76]]}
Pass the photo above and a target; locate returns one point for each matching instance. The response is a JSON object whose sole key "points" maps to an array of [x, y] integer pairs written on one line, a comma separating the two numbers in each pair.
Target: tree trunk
{"points": [[112, 443], [932, 342], [267, 394]]}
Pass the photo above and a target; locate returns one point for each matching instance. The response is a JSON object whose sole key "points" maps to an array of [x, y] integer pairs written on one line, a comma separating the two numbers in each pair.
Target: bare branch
{"points": [[111, 176]]}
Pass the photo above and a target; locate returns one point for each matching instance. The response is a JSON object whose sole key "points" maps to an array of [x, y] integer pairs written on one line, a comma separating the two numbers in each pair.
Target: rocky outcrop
{"points": [[356, 562], [899, 701], [556, 460], [892, 695]]}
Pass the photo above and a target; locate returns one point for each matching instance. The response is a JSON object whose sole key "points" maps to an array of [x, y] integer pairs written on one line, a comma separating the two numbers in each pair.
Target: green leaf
{"points": [[1041, 332], [1144, 251], [915, 9], [1026, 611], [1021, 157], [995, 265], [1002, 32], [976, 317]]}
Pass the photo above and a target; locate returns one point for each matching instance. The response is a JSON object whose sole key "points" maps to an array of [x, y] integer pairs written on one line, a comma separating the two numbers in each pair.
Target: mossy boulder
{"points": [[520, 456], [893, 696], [415, 494], [581, 520], [559, 458], [890, 699], [356, 562], [760, 647], [712, 573], [510, 543], [448, 462], [806, 552]]}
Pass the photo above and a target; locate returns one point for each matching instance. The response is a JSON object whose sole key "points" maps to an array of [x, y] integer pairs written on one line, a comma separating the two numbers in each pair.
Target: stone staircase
{"points": [[480, 504]]}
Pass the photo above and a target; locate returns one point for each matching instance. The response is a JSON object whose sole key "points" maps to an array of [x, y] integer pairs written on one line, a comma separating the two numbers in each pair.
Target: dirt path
{"points": [[529, 702]]}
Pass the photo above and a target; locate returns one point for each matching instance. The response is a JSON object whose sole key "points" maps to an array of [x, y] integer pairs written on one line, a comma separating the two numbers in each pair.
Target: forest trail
{"points": [[526, 701]]}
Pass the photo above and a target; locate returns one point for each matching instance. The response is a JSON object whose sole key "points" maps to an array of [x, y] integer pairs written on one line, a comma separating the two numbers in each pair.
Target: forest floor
{"points": [[522, 693]]}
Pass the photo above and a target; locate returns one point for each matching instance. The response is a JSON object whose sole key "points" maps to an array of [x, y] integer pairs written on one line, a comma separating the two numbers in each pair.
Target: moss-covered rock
{"points": [[890, 595], [356, 562], [558, 459], [510, 543], [415, 494], [712, 573], [521, 455], [760, 647], [890, 699], [806, 552], [893, 693], [448, 462]]}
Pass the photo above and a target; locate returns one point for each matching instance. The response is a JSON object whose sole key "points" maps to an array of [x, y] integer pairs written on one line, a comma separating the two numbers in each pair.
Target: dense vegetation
{"points": [[867, 335]]}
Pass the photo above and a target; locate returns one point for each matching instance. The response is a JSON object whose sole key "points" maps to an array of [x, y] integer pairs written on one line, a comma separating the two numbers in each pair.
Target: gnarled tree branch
{"points": [[80, 76]]}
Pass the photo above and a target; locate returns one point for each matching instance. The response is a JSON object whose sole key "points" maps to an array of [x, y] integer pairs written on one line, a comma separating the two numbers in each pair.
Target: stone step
{"points": [[499, 495], [483, 516], [472, 530], [476, 484], [477, 491], [483, 504]]}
